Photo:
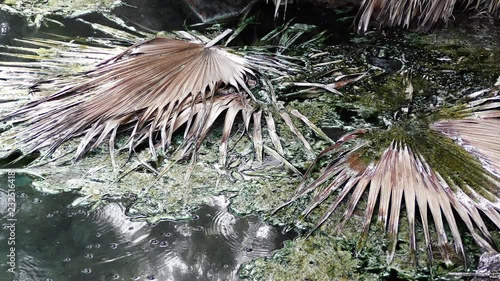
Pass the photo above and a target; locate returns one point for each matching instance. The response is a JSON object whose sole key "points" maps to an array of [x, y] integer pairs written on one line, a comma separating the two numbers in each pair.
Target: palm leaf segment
{"points": [[480, 132], [402, 174], [151, 89]]}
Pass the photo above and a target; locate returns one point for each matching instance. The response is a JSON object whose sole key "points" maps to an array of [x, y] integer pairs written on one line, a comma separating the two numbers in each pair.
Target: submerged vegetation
{"points": [[406, 125]]}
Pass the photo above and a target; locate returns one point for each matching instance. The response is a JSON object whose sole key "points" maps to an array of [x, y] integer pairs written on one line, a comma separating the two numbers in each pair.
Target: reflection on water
{"points": [[56, 241]]}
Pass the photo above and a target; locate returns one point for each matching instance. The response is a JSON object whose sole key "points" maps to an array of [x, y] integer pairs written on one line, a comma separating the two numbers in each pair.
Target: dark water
{"points": [[55, 241]]}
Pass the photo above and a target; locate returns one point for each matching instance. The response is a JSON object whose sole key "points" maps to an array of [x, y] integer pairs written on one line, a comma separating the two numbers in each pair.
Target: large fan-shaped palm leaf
{"points": [[152, 88]]}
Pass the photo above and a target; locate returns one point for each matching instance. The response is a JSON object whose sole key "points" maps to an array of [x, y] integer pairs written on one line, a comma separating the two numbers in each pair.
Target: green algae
{"points": [[262, 185], [66, 8], [443, 72], [330, 253], [450, 160], [37, 12], [299, 261]]}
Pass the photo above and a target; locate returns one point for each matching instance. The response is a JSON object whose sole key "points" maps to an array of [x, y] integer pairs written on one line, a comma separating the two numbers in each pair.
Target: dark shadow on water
{"points": [[56, 241]]}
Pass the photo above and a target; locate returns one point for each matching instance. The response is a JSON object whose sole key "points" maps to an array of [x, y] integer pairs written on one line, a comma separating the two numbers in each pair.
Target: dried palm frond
{"points": [[149, 90], [422, 13], [478, 133], [278, 4], [416, 172], [30, 60], [401, 173], [404, 13], [155, 86], [490, 6]]}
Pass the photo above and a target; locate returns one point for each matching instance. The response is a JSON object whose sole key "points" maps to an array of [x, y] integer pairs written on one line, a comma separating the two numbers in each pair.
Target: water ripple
{"points": [[60, 242]]}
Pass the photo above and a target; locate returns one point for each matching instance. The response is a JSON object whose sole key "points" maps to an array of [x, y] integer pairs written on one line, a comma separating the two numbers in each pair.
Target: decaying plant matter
{"points": [[156, 86], [423, 14], [421, 169], [152, 88], [478, 133], [149, 90]]}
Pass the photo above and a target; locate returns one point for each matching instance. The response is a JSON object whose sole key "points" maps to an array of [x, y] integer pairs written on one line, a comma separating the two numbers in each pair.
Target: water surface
{"points": [[56, 241]]}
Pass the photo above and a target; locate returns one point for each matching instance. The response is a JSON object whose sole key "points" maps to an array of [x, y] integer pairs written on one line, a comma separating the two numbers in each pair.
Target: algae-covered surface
{"points": [[36, 13], [36, 9], [444, 68], [380, 71]]}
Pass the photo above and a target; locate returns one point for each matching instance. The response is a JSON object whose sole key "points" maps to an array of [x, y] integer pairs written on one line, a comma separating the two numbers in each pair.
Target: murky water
{"points": [[56, 241]]}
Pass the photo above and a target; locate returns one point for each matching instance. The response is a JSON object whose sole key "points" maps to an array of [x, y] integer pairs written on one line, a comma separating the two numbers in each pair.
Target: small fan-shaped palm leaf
{"points": [[404, 13], [422, 13], [401, 174]]}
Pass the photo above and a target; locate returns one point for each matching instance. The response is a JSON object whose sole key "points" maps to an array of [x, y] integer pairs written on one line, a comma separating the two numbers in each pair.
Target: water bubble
{"points": [[198, 228], [153, 241], [89, 246], [4, 28], [195, 217], [89, 255], [113, 246], [151, 277], [163, 244], [98, 235], [23, 195], [86, 270], [97, 245]]}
